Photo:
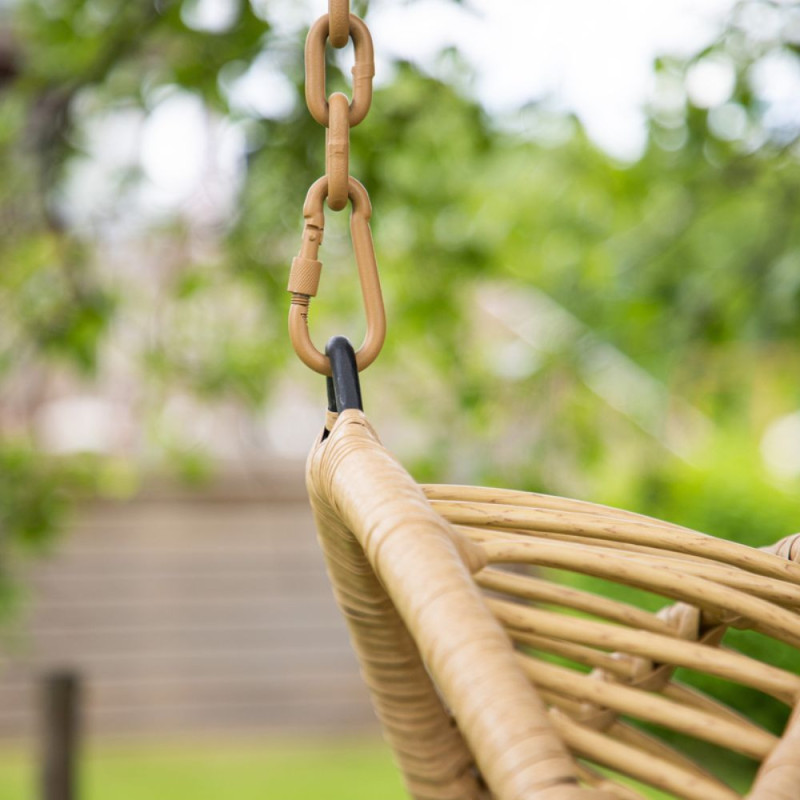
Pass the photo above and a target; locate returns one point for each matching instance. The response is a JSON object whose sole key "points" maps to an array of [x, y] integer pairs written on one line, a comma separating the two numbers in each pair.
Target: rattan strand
{"points": [[781, 592], [588, 524]]}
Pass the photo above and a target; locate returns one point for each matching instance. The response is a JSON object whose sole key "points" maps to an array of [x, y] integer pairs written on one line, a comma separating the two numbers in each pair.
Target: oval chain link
{"points": [[338, 114], [363, 70]]}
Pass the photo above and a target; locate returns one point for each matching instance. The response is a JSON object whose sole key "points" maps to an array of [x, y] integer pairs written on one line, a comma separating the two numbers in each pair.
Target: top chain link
{"points": [[338, 115], [363, 70]]}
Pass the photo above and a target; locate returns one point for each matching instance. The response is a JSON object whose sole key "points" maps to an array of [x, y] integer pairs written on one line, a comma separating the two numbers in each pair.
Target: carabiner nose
{"points": [[306, 270]]}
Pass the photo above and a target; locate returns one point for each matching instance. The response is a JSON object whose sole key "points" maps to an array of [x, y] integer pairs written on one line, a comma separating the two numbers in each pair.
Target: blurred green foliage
{"points": [[656, 305]]}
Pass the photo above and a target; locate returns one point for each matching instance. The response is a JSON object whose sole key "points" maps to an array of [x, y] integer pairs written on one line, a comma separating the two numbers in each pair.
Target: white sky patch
{"points": [[776, 79], [591, 58], [212, 16], [174, 144], [191, 159], [292, 16], [262, 90], [711, 81]]}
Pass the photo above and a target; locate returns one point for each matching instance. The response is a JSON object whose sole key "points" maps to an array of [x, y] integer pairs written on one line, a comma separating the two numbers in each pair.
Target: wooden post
{"points": [[59, 735]]}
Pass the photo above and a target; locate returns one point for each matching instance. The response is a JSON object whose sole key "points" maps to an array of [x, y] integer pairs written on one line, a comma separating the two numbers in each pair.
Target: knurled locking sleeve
{"points": [[304, 276]]}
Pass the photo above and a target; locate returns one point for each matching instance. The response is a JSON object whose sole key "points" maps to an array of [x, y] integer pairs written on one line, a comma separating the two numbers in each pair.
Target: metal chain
{"points": [[338, 114]]}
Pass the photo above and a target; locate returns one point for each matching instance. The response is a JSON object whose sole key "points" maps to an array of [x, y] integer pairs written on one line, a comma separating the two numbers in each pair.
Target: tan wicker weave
{"points": [[454, 639]]}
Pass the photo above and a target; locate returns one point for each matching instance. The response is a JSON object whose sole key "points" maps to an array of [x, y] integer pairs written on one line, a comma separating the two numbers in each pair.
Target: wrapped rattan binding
{"points": [[448, 637]]}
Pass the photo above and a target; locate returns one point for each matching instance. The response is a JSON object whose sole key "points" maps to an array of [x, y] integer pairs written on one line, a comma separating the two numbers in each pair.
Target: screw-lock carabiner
{"points": [[306, 270]]}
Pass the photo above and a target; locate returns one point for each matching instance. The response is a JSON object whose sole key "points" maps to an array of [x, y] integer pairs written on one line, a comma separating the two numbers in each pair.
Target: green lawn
{"points": [[234, 770], [245, 771]]}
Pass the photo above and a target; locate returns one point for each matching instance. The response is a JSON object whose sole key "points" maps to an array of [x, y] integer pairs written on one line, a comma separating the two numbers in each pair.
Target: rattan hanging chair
{"points": [[453, 644], [475, 656]]}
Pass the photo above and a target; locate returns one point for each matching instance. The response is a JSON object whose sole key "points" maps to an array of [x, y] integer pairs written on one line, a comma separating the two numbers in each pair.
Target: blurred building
{"points": [[190, 613]]}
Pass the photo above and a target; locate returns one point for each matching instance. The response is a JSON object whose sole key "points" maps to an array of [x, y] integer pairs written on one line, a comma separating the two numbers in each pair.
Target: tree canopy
{"points": [[558, 320]]}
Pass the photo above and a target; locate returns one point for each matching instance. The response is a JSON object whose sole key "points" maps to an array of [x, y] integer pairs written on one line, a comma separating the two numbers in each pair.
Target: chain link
{"points": [[337, 151], [363, 70], [338, 114], [339, 13]]}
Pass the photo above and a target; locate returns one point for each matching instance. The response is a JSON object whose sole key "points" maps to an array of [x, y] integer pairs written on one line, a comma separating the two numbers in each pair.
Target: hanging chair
{"points": [[451, 640], [475, 657]]}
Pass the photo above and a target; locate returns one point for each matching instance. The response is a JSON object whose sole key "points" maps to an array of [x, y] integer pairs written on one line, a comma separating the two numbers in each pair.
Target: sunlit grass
{"points": [[348, 770], [249, 770]]}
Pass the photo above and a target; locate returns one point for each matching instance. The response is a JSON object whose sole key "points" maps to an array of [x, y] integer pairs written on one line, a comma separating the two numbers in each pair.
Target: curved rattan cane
{"points": [[476, 661]]}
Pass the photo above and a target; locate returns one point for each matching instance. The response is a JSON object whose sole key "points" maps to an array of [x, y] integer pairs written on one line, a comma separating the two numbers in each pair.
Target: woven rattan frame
{"points": [[450, 643]]}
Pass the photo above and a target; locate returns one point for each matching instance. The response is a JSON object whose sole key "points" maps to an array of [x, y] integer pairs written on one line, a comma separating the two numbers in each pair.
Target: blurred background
{"points": [[585, 216]]}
